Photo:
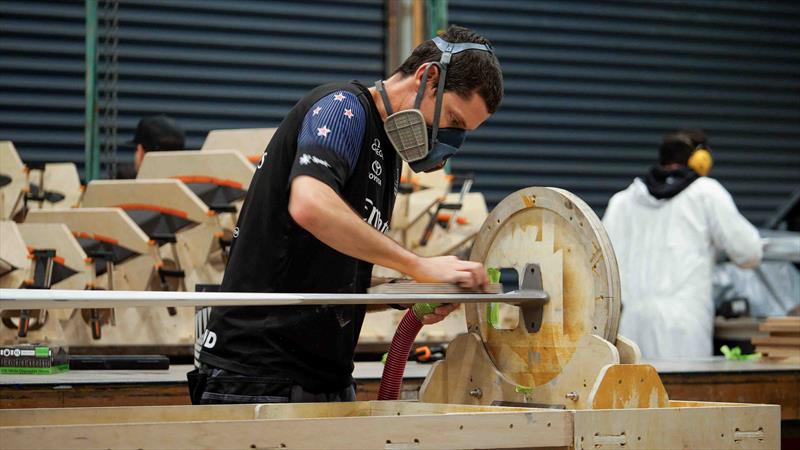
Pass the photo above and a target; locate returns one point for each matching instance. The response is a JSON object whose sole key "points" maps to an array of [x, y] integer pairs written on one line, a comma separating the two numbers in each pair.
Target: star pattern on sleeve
{"points": [[336, 122], [323, 131]]}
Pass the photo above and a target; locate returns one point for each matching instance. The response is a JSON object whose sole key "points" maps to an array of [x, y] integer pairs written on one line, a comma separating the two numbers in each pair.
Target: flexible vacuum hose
{"points": [[403, 339]]}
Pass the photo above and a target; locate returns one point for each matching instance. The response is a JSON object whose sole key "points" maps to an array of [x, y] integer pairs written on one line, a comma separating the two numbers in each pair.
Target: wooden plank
{"points": [[779, 352], [708, 426], [784, 319], [784, 326], [92, 395], [128, 414], [429, 288], [776, 340], [502, 429]]}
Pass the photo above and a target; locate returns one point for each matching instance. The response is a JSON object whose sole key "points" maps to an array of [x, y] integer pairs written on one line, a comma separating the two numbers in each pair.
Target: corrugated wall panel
{"points": [[591, 87], [209, 64]]}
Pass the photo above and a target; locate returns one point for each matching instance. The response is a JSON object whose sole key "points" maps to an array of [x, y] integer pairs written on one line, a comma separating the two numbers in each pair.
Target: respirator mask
{"points": [[426, 148]]}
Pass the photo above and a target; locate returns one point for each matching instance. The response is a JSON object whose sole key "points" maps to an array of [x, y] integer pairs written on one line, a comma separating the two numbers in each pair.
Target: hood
{"points": [[665, 184]]}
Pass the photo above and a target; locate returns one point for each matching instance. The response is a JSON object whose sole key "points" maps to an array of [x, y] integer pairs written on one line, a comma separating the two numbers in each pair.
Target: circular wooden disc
{"points": [[558, 231]]}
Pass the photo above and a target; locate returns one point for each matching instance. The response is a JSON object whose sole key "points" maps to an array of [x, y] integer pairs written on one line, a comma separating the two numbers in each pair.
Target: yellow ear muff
{"points": [[701, 161]]}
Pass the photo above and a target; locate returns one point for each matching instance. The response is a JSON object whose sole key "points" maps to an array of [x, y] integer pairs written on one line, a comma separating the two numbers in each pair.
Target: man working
{"points": [[153, 133], [666, 228], [315, 216]]}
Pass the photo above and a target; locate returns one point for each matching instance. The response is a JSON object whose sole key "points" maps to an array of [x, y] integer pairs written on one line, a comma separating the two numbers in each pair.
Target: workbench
{"points": [[712, 379]]}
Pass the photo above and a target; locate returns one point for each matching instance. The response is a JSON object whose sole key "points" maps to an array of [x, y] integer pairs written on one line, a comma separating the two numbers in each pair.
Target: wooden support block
{"points": [[629, 352], [624, 386], [469, 376], [429, 288]]}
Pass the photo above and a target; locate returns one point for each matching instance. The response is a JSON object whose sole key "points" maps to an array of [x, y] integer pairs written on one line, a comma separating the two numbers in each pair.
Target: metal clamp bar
{"points": [[62, 298]]}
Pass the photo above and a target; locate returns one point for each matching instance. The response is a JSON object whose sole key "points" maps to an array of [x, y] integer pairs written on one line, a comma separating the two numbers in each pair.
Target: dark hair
{"points": [[677, 147], [159, 132], [468, 71]]}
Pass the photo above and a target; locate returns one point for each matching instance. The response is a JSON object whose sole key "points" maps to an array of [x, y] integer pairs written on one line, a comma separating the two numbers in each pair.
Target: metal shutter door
{"points": [[208, 64], [591, 87]]}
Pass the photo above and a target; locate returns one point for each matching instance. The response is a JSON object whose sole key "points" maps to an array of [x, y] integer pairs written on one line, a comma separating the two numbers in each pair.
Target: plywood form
{"points": [[11, 166], [103, 222], [629, 352], [250, 142], [696, 425], [220, 165], [13, 253], [135, 327], [468, 370], [558, 231], [59, 238], [194, 243], [61, 178], [163, 193]]}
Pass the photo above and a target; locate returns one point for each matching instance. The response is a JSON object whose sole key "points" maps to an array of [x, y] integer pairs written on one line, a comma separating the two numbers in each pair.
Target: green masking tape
{"points": [[523, 389], [493, 309]]}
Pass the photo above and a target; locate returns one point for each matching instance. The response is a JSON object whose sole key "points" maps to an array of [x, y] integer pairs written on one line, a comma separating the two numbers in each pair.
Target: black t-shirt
{"points": [[334, 134]]}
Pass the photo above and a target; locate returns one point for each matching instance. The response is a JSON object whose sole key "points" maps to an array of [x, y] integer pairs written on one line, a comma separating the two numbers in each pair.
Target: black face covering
{"points": [[663, 183]]}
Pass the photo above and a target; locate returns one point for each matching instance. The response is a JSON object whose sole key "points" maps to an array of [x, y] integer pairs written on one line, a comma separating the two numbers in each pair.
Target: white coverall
{"points": [[666, 250]]}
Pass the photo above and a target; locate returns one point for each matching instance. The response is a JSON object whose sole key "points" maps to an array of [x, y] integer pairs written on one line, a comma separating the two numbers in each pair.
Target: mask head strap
{"points": [[449, 49], [386, 104]]}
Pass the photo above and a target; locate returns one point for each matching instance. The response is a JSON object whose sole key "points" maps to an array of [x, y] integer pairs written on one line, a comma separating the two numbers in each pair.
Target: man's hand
{"points": [[439, 313], [449, 269]]}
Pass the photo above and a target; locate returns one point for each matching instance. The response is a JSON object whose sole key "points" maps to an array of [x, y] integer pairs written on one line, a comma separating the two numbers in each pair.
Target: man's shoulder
{"points": [[348, 88]]}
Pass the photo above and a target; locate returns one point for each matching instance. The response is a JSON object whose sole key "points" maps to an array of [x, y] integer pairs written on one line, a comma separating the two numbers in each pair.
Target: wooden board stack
{"points": [[783, 342]]}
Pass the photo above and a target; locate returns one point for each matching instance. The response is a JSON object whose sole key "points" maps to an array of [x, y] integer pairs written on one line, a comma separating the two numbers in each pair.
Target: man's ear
{"points": [[433, 75]]}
